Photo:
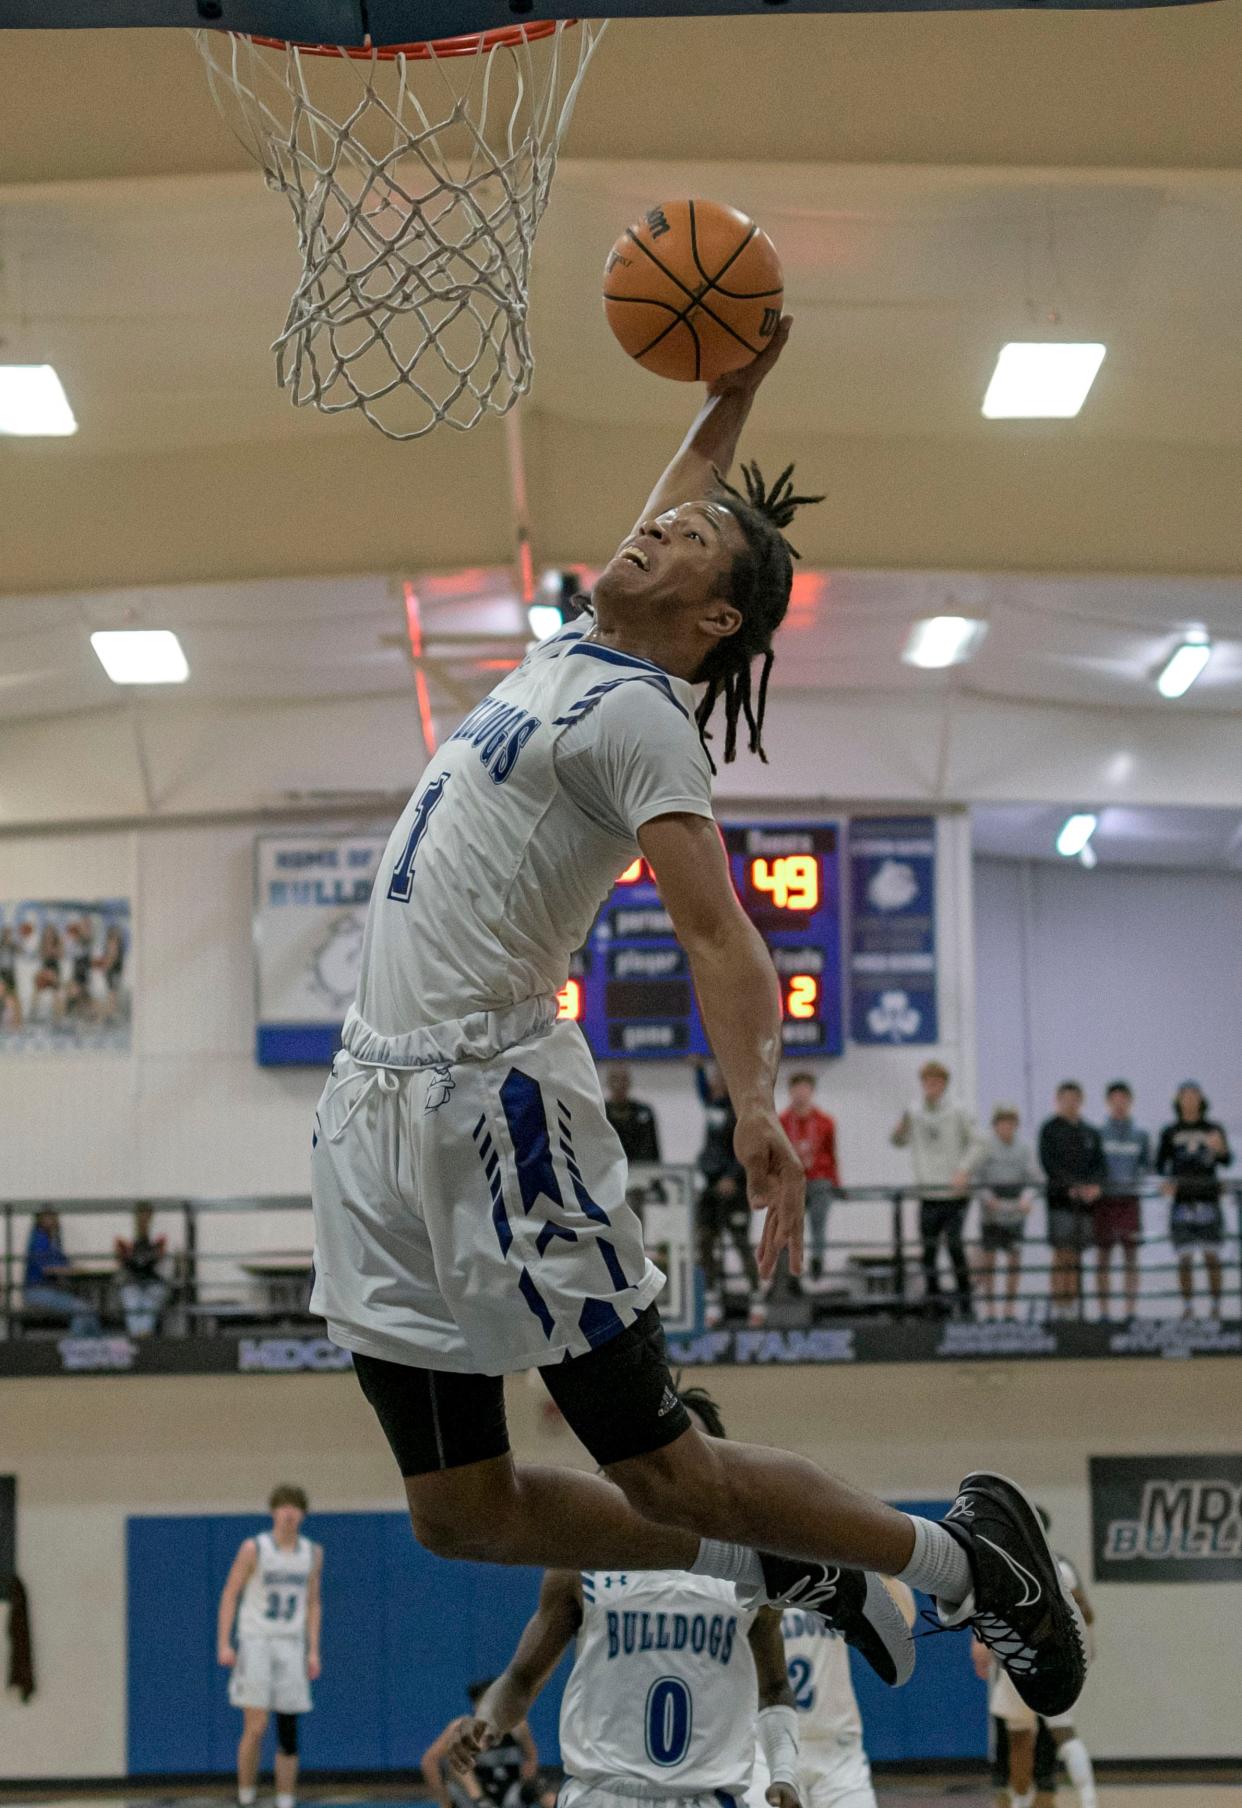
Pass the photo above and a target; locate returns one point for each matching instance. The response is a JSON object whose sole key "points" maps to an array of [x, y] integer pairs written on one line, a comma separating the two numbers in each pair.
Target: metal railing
{"points": [[217, 1274]]}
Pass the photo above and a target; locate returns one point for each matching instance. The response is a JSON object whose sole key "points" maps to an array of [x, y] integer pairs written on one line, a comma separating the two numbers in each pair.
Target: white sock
{"points": [[1077, 1760], [728, 1563], [1022, 1801], [284, 1801], [938, 1564], [246, 1797]]}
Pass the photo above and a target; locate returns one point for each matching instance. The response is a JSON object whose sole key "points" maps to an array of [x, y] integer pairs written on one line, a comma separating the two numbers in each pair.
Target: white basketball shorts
{"points": [[470, 1214], [271, 1673], [829, 1776], [1007, 1705]]}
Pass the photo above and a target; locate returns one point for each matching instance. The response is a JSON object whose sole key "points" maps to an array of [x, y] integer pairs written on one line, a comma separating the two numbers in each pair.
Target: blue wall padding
{"points": [[403, 1633]]}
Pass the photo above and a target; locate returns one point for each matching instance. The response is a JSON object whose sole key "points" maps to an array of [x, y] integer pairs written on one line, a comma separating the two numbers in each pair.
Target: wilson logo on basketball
{"points": [[657, 220]]}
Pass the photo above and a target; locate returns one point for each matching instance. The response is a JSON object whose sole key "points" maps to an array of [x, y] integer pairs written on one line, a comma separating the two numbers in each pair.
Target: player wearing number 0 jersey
{"points": [[670, 1671], [273, 1590], [833, 1771]]}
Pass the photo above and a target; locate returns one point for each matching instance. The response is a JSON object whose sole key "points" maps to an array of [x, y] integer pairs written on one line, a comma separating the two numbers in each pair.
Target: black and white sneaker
{"points": [[853, 1602], [1019, 1606]]}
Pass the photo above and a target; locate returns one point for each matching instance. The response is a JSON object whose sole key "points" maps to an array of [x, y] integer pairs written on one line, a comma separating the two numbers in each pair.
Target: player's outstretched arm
{"points": [[241, 1572], [507, 1703], [740, 1001], [314, 1616], [778, 1719], [711, 444]]}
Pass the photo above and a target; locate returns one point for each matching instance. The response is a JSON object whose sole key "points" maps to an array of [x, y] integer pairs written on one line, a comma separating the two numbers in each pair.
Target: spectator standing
{"points": [[814, 1135], [1118, 1218], [633, 1121], [1192, 1148], [1006, 1173], [46, 1266], [143, 1292], [1071, 1153], [723, 1207], [943, 1146]]}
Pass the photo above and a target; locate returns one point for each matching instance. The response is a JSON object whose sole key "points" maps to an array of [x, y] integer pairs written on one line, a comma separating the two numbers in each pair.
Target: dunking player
{"points": [[671, 1678], [276, 1578], [469, 1194]]}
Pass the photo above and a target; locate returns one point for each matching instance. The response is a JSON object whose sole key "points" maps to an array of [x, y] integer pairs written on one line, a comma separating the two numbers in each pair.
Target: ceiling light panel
{"points": [[1036, 381], [33, 403], [941, 640], [1184, 666], [141, 656]]}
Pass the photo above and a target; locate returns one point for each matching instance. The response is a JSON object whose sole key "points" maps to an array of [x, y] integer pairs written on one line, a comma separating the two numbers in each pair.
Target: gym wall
{"points": [[91, 1454]]}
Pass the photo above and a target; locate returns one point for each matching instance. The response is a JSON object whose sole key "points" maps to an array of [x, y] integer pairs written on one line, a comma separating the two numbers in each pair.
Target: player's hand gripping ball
{"points": [[693, 290]]}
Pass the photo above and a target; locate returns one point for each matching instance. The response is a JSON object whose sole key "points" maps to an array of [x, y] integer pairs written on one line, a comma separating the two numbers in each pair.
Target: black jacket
{"points": [[636, 1126], [1185, 1157], [1070, 1155]]}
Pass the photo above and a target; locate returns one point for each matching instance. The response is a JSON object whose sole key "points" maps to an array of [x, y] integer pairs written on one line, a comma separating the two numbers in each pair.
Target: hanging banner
{"points": [[1167, 1518], [892, 864], [64, 976], [311, 896]]}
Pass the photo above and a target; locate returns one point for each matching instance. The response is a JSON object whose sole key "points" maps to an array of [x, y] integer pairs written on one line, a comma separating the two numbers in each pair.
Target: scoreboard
{"points": [[630, 986]]}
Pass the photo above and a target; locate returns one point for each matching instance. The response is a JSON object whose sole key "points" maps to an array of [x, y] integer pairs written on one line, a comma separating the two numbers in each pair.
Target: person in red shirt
{"points": [[814, 1135]]}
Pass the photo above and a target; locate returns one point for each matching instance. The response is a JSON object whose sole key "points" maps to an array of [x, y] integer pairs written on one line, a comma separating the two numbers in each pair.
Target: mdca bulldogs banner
{"points": [[892, 863], [311, 896], [1167, 1518]]}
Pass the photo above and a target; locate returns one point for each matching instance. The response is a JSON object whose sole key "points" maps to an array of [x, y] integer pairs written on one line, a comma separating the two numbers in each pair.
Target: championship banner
{"points": [[892, 864], [65, 968], [1167, 1518], [311, 896]]}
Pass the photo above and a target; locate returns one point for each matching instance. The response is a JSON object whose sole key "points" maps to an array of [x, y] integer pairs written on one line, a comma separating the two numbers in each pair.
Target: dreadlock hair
{"points": [[698, 1401], [759, 587]]}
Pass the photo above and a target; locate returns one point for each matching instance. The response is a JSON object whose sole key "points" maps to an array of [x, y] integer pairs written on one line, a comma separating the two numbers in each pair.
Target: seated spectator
{"points": [[814, 1135], [943, 1145], [1192, 1148], [46, 1265], [1118, 1219], [143, 1293], [723, 1208], [1072, 1156], [633, 1121], [1006, 1174]]}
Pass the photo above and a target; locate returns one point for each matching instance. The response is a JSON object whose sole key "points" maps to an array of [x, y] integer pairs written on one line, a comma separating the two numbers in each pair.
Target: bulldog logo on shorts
{"points": [[440, 1090]]}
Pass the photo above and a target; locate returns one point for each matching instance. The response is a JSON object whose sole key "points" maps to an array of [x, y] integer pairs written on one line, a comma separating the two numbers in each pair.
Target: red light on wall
{"points": [[791, 881], [801, 995], [569, 1001]]}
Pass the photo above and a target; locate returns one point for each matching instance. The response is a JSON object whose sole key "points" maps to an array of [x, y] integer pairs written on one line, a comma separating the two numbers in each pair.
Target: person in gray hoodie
{"points": [[943, 1145], [1007, 1174]]}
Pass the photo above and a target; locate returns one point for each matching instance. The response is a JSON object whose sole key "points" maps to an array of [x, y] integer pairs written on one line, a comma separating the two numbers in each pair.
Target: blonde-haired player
{"points": [[832, 1769], [276, 1579]]}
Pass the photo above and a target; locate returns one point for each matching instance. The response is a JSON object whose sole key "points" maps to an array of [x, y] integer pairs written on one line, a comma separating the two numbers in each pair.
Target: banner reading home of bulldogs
{"points": [[311, 896], [1167, 1518], [893, 929]]}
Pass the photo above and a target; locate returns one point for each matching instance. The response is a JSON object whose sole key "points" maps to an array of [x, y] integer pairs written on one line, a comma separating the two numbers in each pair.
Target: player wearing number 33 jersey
{"points": [[273, 1592]]}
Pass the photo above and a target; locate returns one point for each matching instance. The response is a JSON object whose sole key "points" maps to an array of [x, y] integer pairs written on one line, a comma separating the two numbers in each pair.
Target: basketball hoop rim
{"points": [[473, 43]]}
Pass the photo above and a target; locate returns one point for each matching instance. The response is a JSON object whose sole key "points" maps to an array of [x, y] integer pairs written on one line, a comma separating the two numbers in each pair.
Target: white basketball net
{"points": [[417, 185]]}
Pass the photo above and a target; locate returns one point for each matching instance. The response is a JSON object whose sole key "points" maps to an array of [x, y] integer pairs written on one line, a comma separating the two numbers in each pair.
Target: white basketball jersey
{"points": [[819, 1675], [273, 1603], [493, 875], [663, 1696]]}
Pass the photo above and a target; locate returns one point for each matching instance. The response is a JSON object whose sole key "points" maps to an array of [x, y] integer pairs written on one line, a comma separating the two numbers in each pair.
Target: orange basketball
{"points": [[693, 290]]}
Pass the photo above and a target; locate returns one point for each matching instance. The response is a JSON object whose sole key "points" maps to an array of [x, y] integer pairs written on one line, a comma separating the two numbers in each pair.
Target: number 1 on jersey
{"points": [[401, 884]]}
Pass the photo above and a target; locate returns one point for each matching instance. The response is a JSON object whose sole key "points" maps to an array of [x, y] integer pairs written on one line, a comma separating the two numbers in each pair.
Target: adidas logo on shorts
{"points": [[668, 1403]]}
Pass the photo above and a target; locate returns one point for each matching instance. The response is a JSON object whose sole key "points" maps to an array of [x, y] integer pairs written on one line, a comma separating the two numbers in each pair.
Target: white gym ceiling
{"points": [[936, 184]]}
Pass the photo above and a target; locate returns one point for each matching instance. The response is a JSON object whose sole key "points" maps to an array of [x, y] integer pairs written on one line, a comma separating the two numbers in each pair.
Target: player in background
{"points": [[276, 1579], [1022, 1726], [833, 1771], [670, 1673], [505, 1775]]}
